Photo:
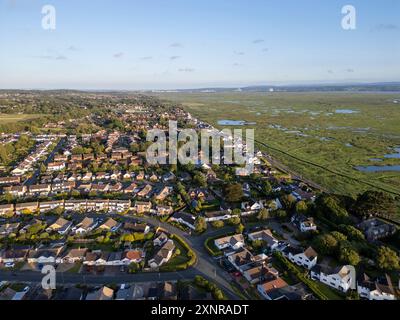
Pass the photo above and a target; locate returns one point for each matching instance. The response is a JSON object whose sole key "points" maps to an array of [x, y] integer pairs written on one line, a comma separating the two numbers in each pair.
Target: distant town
{"points": [[77, 194]]}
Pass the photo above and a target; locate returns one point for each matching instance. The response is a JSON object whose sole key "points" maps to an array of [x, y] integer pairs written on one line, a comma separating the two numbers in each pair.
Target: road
{"points": [[33, 179], [205, 266]]}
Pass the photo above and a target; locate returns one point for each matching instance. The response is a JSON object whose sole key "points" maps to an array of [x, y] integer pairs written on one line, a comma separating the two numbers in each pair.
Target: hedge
{"points": [[308, 282], [190, 253]]}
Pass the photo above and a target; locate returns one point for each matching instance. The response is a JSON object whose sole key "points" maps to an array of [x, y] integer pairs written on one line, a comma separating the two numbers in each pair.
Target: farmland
{"points": [[321, 136]]}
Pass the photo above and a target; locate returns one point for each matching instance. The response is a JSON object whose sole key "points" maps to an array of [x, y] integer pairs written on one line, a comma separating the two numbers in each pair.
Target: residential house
{"points": [[164, 210], [16, 191], [241, 259], [142, 207], [28, 207], [85, 226], [110, 225], [303, 223], [47, 206], [75, 205], [267, 287], [130, 256], [304, 258], [74, 255], [160, 239], [163, 193], [15, 254], [9, 180], [61, 226], [380, 288], [218, 215], [137, 227], [40, 189], [163, 255], [114, 259], [119, 205], [234, 242], [131, 188], [375, 229], [44, 256], [341, 278], [115, 187], [96, 205], [145, 191], [260, 274], [266, 236], [295, 292], [184, 218], [56, 166], [65, 186], [103, 293], [140, 176], [87, 177]]}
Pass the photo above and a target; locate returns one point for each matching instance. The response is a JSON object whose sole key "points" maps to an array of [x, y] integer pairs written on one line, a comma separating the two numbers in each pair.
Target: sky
{"points": [[176, 44]]}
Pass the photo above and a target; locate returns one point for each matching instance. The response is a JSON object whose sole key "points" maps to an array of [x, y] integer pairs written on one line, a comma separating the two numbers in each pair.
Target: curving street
{"points": [[205, 266]]}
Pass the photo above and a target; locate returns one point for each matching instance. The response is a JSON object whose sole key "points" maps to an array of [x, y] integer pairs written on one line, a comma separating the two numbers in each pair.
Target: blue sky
{"points": [[160, 44]]}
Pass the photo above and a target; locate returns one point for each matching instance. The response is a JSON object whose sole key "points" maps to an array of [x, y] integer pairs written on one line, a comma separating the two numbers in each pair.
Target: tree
{"points": [[326, 244], [329, 207], [200, 225], [43, 168], [387, 259], [338, 236], [348, 255], [280, 214], [200, 179], [375, 203], [263, 214], [352, 232], [257, 244], [266, 187], [217, 224], [234, 221], [233, 192], [236, 212], [240, 228], [301, 207]]}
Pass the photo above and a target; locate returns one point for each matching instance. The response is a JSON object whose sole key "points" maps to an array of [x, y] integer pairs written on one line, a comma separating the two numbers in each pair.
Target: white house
{"points": [[303, 223], [342, 278], [304, 258], [218, 216], [45, 256], [376, 289], [163, 255], [86, 225], [234, 242]]}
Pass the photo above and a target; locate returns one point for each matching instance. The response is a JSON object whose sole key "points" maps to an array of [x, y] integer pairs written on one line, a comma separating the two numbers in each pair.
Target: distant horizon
{"points": [[210, 87]]}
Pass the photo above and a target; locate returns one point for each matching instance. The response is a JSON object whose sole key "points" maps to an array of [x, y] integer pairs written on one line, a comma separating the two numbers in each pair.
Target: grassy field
{"points": [[12, 118], [331, 132]]}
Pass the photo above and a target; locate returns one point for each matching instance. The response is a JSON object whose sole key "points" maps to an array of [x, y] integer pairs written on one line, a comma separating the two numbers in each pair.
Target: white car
{"points": [[9, 265]]}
